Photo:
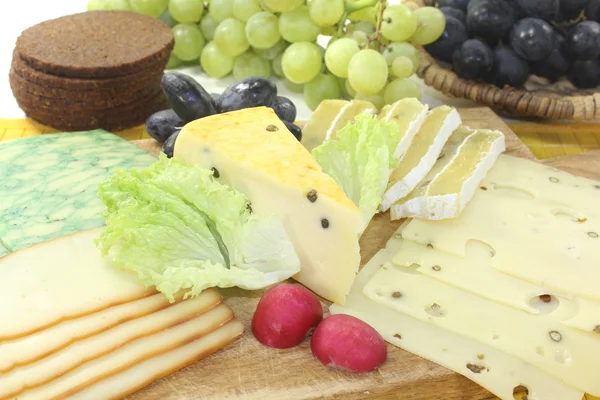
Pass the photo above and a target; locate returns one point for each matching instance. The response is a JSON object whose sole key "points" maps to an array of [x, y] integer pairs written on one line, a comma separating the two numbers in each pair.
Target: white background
{"points": [[21, 14]]}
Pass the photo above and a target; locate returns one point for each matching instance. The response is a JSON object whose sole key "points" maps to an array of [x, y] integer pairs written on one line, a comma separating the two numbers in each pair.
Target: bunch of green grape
{"points": [[370, 55]]}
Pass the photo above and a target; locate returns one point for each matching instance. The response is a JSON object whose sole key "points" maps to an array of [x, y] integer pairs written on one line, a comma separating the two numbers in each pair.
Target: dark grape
{"points": [[460, 4], [532, 39], [584, 40], [474, 59], [454, 35], [556, 65], [570, 9], [509, 68], [186, 96], [592, 11], [168, 146], [216, 99], [294, 129], [249, 92], [162, 124], [454, 13], [490, 19], [284, 108], [585, 74], [547, 10]]}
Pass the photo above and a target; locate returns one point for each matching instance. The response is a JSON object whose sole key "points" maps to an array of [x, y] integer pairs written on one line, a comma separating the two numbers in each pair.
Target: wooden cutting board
{"points": [[248, 370]]}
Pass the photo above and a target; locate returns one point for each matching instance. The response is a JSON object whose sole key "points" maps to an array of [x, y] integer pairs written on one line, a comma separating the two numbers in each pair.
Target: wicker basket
{"points": [[539, 98]]}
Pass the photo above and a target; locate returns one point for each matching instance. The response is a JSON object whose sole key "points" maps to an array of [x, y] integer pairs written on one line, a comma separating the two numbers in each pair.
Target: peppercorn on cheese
{"points": [[253, 152]]}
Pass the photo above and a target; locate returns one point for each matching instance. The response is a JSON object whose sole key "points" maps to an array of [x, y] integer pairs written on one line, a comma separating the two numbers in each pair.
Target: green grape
{"points": [[188, 41], [296, 26], [220, 10], [186, 11], [230, 37], [328, 30], [118, 5], [367, 72], [360, 37], [276, 65], [375, 99], [324, 86], [152, 8], [249, 64], [338, 55], [168, 19], [350, 89], [401, 88], [367, 14], [244, 9], [262, 30], [266, 8], [174, 62], [355, 5], [272, 52], [326, 12], [208, 26], [431, 25], [215, 63], [398, 23], [293, 87], [282, 5], [96, 5], [301, 62], [398, 49], [402, 67]]}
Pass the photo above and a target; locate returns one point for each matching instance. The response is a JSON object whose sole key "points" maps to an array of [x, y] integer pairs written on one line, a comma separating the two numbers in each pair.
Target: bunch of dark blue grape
{"points": [[503, 42], [189, 101]]}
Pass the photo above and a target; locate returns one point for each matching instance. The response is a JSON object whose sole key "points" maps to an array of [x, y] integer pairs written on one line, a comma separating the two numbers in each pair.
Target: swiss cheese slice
{"points": [[566, 353], [254, 153], [331, 116], [51, 367], [409, 114], [131, 355], [450, 185], [422, 154], [542, 224], [131, 380], [495, 370], [58, 280], [32, 347]]}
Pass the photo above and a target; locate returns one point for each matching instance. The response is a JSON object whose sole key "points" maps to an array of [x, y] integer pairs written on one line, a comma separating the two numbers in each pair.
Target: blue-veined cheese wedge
{"points": [[252, 151], [450, 185]]}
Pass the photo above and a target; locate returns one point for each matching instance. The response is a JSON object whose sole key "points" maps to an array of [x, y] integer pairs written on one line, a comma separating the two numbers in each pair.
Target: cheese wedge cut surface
{"points": [[422, 154], [331, 116], [494, 370], [37, 345], [130, 355], [450, 185], [58, 280], [129, 381], [57, 364], [542, 224], [409, 114], [254, 153]]}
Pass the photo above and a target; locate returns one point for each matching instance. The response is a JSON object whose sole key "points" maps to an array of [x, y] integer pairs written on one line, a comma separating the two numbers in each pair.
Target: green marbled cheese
{"points": [[50, 183]]}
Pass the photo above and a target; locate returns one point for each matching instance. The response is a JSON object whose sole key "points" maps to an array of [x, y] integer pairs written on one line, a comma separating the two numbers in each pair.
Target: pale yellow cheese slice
{"points": [[543, 226], [31, 348], [58, 280], [409, 114], [450, 185], [499, 372], [135, 378], [331, 116], [57, 364], [422, 154], [130, 355], [254, 153]]}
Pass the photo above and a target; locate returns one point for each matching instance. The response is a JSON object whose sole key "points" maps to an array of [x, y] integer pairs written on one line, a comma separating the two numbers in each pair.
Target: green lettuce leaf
{"points": [[360, 159], [179, 229]]}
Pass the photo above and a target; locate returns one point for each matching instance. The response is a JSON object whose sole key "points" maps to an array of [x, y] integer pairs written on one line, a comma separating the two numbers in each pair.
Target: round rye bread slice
{"points": [[96, 44]]}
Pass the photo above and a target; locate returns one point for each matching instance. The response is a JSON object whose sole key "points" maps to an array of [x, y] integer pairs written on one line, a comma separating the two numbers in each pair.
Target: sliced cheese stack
{"points": [[409, 114], [253, 152], [80, 322], [506, 293]]}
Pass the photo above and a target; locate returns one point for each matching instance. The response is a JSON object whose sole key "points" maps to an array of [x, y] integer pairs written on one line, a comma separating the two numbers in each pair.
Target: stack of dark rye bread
{"points": [[98, 69]]}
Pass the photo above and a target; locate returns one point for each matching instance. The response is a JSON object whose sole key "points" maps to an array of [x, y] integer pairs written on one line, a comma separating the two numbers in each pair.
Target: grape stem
{"points": [[377, 35]]}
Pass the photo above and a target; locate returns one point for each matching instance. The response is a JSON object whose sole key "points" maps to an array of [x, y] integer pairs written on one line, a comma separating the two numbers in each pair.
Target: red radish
{"points": [[285, 315], [347, 343]]}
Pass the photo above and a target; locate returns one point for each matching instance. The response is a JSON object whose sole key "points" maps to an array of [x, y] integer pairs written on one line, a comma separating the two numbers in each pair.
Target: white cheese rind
{"points": [[406, 110], [452, 351]]}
